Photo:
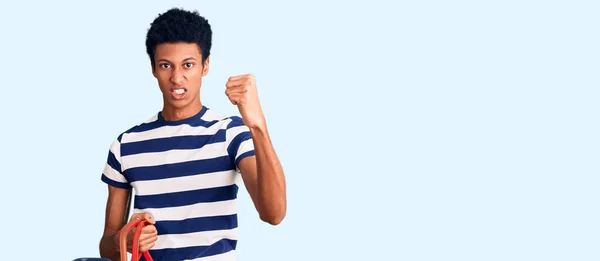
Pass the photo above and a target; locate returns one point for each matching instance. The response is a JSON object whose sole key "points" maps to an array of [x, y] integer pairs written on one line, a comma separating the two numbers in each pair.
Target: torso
{"points": [[184, 175]]}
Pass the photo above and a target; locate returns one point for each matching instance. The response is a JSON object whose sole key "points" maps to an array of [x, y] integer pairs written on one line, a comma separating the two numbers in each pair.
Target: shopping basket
{"points": [[135, 254]]}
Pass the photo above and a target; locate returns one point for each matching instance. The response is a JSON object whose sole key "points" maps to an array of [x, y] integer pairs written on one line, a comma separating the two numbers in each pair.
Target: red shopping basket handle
{"points": [[136, 239]]}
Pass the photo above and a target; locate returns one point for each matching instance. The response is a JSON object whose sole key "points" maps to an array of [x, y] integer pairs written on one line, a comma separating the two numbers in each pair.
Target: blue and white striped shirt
{"points": [[185, 174]]}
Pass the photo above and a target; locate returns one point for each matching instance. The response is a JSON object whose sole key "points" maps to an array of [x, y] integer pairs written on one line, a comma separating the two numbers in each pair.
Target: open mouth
{"points": [[178, 93]]}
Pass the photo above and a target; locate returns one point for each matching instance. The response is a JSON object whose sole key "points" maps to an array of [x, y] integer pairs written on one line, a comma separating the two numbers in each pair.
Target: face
{"points": [[179, 70]]}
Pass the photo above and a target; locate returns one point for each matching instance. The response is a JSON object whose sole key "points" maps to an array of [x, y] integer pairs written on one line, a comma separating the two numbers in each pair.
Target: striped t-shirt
{"points": [[185, 174]]}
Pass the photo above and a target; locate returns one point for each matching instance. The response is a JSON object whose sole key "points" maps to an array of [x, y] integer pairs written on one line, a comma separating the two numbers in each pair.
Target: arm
{"points": [[117, 211], [264, 179], [262, 173], [117, 204]]}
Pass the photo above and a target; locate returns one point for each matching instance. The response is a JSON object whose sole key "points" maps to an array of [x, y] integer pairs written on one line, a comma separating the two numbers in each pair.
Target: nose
{"points": [[177, 77]]}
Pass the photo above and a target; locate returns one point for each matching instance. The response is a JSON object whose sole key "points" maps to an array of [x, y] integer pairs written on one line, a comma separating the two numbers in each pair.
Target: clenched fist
{"points": [[149, 234], [241, 91]]}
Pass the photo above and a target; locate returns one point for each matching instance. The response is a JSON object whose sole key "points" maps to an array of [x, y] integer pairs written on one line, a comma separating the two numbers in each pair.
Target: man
{"points": [[184, 161]]}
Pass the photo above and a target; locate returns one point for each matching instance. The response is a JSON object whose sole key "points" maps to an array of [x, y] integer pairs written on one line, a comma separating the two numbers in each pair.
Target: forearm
{"points": [[271, 187], [109, 247]]}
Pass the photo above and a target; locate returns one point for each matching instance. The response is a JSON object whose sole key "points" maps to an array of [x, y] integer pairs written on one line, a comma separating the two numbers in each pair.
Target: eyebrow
{"points": [[186, 59]]}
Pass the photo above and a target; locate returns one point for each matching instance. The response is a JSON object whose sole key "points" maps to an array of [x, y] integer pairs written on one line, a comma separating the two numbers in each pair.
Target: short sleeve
{"points": [[112, 174], [239, 139]]}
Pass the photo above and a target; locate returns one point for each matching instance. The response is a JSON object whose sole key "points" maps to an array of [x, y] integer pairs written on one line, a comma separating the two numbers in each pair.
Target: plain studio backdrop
{"points": [[408, 130]]}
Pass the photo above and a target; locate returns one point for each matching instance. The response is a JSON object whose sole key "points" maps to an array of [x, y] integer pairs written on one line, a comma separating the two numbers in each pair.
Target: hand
{"points": [[241, 91], [148, 236]]}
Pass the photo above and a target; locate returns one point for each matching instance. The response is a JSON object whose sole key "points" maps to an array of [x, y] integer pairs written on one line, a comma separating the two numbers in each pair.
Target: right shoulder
{"points": [[145, 125]]}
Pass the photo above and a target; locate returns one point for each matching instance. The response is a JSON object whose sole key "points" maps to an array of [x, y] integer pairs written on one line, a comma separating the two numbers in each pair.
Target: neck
{"points": [[170, 113]]}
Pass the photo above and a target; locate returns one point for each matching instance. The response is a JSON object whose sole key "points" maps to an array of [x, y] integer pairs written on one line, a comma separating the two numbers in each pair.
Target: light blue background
{"points": [[421, 130]]}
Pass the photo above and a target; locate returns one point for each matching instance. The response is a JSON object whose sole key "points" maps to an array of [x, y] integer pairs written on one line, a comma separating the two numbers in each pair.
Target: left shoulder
{"points": [[224, 121], [211, 115], [235, 121]]}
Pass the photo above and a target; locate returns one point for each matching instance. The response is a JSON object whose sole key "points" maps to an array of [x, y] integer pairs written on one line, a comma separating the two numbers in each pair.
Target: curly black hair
{"points": [[179, 25]]}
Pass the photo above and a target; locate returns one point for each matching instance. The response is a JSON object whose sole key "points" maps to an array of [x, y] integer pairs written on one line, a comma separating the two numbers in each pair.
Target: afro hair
{"points": [[178, 25]]}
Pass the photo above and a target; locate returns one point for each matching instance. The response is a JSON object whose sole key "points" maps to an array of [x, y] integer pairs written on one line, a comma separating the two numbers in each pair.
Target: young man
{"points": [[184, 161]]}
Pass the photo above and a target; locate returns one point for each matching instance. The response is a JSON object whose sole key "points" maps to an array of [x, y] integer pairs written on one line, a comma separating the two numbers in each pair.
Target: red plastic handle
{"points": [[136, 239]]}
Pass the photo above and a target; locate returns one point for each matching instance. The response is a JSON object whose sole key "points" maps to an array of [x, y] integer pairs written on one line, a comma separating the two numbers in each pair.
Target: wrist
{"points": [[258, 129], [116, 239]]}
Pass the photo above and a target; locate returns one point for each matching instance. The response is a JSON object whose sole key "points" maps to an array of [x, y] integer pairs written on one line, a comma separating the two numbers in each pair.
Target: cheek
{"points": [[195, 73], [163, 83], [194, 78]]}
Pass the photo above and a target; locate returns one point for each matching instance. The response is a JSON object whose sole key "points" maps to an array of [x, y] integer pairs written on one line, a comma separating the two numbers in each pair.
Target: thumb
{"points": [[149, 218], [143, 216]]}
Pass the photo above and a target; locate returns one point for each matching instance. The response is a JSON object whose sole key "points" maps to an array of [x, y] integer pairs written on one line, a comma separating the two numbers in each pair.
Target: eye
{"points": [[188, 65], [164, 65]]}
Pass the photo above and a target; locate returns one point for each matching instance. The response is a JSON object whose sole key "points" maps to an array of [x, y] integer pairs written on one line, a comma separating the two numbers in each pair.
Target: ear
{"points": [[205, 67]]}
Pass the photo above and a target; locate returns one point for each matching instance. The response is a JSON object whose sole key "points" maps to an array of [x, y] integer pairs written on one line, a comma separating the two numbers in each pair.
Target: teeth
{"points": [[179, 91]]}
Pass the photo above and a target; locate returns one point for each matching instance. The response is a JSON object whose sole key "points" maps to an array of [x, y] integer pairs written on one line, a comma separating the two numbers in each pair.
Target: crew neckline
{"points": [[183, 121]]}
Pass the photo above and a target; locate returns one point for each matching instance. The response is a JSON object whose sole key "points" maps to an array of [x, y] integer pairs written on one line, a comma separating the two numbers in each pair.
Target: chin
{"points": [[169, 101], [179, 104]]}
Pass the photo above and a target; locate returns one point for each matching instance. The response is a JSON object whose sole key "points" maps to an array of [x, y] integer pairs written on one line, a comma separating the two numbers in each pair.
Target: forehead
{"points": [[177, 51]]}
